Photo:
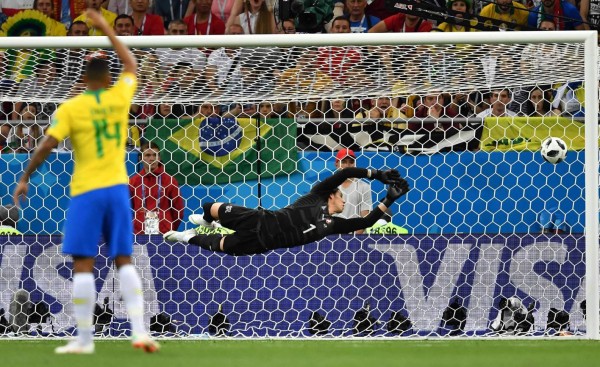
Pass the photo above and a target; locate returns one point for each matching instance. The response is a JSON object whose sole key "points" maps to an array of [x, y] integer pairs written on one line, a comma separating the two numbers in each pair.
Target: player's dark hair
{"points": [[96, 69]]}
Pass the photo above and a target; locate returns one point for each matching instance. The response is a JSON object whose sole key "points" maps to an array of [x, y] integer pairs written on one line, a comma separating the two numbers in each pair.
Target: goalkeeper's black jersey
{"points": [[308, 219]]}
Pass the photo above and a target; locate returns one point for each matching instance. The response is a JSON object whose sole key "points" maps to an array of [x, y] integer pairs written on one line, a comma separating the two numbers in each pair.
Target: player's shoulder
{"points": [[72, 102]]}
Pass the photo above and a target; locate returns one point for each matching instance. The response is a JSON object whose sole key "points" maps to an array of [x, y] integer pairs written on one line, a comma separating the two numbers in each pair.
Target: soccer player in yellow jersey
{"points": [[97, 122]]}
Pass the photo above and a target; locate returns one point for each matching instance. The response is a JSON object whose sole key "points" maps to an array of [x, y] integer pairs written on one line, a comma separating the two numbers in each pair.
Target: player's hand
{"points": [[390, 176], [397, 190], [96, 18], [20, 193]]}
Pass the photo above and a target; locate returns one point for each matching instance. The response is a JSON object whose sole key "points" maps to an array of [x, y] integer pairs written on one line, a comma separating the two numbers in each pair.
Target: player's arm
{"points": [[350, 225], [390, 176], [125, 55], [38, 157]]}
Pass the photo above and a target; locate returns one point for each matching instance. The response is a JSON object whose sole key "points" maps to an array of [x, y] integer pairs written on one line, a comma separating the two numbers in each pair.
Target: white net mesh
{"points": [[494, 235]]}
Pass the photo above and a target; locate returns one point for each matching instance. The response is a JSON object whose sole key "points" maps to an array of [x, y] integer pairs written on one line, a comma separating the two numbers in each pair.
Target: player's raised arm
{"points": [[127, 58]]}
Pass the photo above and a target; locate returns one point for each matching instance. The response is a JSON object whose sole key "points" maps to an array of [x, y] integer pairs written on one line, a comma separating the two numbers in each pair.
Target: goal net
{"points": [[491, 240]]}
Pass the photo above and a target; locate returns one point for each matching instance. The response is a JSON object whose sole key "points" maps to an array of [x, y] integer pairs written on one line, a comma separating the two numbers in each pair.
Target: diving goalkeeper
{"points": [[308, 219]]}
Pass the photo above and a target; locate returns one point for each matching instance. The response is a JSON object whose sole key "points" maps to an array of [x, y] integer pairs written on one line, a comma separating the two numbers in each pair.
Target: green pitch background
{"points": [[313, 353]]}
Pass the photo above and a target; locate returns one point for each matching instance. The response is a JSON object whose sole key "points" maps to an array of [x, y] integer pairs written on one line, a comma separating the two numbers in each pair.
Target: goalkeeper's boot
{"points": [[174, 236], [145, 342], [198, 219], [73, 347]]}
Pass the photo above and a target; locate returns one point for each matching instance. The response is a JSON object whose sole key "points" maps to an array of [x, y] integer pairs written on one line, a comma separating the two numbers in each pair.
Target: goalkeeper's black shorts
{"points": [[245, 223]]}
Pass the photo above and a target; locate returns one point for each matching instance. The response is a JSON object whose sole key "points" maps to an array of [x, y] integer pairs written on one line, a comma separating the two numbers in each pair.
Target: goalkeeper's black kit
{"points": [[306, 220]]}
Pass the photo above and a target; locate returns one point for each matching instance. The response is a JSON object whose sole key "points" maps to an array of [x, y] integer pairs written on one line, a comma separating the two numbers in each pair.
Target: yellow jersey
{"points": [[518, 13], [97, 123], [108, 15]]}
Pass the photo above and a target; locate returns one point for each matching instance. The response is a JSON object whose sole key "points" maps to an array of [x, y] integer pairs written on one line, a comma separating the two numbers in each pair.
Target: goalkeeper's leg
{"points": [[237, 244], [210, 216]]}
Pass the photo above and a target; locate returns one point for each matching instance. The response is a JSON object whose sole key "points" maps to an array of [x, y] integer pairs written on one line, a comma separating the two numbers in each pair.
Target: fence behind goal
{"points": [[490, 224]]}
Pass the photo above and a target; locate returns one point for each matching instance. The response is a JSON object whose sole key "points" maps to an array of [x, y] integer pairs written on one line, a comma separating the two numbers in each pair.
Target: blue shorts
{"points": [[106, 212]]}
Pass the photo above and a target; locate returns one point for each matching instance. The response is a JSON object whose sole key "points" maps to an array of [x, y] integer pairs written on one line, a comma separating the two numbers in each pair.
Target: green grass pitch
{"points": [[312, 353]]}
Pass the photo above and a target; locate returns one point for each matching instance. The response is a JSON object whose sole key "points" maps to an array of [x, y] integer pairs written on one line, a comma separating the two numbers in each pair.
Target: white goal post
{"points": [[12, 254]]}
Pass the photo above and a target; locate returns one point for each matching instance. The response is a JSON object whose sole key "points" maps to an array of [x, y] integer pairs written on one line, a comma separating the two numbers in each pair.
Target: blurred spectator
{"points": [[266, 111], [499, 100], [149, 79], [23, 138], [209, 110], [108, 15], [336, 109], [257, 18], [288, 26], [154, 195], [223, 8], [78, 28], [338, 10], [123, 25], [402, 23], [43, 83], [172, 10], [166, 111], [569, 100], [203, 21], [47, 8], [461, 105], [359, 21], [120, 6], [565, 15], [382, 108], [69, 64], [168, 57], [506, 11], [342, 64], [304, 76], [223, 70], [337, 126], [538, 105], [9, 216], [356, 192], [182, 81], [145, 24], [434, 106], [590, 12], [462, 7]]}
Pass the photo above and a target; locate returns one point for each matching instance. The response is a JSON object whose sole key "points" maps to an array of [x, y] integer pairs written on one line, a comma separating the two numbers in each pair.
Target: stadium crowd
{"points": [[168, 73]]}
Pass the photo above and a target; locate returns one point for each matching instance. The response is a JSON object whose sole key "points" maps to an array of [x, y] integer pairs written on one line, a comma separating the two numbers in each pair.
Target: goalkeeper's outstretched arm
{"points": [[326, 186], [393, 193]]}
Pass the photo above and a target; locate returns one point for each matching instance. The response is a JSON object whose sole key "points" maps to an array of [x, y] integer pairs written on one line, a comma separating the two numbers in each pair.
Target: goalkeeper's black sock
{"points": [[211, 242], [206, 207]]}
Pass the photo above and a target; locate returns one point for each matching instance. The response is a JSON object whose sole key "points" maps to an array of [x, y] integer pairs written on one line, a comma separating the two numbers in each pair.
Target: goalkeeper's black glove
{"points": [[395, 191], [390, 176]]}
